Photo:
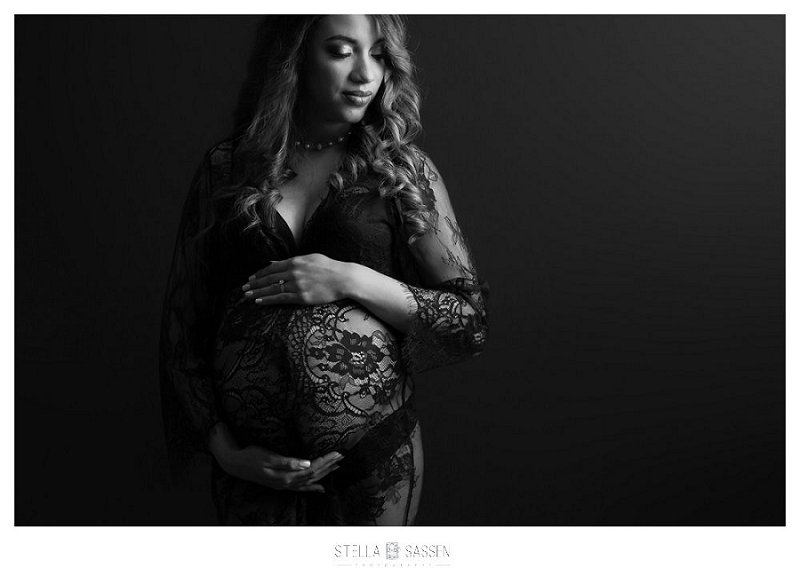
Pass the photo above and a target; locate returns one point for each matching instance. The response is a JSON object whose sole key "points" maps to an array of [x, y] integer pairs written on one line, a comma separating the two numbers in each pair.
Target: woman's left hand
{"points": [[308, 279]]}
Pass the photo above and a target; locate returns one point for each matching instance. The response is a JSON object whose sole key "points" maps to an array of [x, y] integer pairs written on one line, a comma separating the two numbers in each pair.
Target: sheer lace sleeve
{"points": [[187, 328], [449, 308]]}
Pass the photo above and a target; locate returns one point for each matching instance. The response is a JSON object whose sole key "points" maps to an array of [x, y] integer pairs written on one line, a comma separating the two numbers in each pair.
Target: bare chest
{"points": [[301, 196]]}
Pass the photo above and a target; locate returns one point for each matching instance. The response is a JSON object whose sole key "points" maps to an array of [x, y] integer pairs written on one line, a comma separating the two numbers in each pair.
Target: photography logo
{"points": [[391, 554]]}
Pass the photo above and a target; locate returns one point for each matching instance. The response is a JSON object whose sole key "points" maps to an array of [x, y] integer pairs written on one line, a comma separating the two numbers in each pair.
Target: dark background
{"points": [[621, 180]]}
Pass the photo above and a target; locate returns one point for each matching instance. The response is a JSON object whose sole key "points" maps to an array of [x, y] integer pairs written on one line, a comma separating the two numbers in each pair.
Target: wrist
{"points": [[351, 280], [226, 458]]}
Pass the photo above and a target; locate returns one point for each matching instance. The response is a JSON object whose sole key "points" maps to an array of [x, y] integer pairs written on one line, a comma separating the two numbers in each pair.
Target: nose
{"points": [[364, 70]]}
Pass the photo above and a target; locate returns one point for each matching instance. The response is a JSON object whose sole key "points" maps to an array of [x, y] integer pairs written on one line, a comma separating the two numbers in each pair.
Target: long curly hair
{"points": [[267, 125]]}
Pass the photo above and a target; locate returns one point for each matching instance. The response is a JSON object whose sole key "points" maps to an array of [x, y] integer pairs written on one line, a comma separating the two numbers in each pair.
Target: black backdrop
{"points": [[621, 180]]}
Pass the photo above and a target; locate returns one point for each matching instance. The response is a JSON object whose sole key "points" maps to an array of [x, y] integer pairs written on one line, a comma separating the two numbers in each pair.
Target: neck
{"points": [[321, 132]]}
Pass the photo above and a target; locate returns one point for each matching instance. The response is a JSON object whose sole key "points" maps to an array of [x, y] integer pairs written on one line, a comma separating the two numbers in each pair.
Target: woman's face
{"points": [[344, 69]]}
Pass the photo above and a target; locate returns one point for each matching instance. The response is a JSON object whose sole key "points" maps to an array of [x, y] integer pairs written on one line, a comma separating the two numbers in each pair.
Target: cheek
{"points": [[323, 79]]}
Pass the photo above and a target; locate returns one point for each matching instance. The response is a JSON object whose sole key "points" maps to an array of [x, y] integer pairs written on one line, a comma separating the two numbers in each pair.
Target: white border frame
{"points": [[550, 550]]}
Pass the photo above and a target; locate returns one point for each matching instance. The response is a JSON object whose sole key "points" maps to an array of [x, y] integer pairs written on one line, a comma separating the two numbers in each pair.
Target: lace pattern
{"points": [[449, 314], [305, 380], [188, 325]]}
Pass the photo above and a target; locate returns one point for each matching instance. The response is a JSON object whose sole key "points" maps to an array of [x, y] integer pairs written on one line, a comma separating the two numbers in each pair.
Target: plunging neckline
{"points": [[297, 243]]}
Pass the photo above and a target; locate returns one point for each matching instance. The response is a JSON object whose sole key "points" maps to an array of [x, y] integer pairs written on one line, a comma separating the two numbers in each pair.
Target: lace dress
{"points": [[305, 380]]}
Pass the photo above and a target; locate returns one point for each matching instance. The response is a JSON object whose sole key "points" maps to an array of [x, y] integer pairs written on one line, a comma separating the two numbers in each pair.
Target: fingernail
{"points": [[253, 277], [304, 464], [248, 293], [246, 287], [258, 300]]}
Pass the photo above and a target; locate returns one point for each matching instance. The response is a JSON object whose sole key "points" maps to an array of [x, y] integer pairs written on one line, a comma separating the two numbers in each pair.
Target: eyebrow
{"points": [[352, 41]]}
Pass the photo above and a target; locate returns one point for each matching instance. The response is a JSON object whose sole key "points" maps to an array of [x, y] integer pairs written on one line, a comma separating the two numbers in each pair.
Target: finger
{"points": [[285, 298], [283, 479], [326, 460], [321, 466], [274, 266], [278, 462], [289, 480], [324, 466], [267, 280], [261, 271], [272, 290], [322, 473]]}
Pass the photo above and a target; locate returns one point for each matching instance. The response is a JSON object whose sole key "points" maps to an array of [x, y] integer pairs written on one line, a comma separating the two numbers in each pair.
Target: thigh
{"points": [[390, 494]]}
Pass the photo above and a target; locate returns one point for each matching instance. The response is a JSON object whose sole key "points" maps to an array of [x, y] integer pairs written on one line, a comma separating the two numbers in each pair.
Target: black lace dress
{"points": [[305, 380]]}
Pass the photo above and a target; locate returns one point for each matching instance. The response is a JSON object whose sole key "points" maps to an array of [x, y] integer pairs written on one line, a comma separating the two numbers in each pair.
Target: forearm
{"points": [[441, 325], [221, 443], [387, 298]]}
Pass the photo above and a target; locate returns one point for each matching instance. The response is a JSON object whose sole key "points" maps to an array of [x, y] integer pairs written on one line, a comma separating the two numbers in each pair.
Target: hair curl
{"points": [[268, 115]]}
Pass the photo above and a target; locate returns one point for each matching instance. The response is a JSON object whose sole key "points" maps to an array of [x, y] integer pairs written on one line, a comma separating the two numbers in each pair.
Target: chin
{"points": [[353, 116]]}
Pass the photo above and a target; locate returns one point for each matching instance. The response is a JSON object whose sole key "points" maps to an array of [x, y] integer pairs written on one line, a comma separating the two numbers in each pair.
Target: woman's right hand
{"points": [[267, 468]]}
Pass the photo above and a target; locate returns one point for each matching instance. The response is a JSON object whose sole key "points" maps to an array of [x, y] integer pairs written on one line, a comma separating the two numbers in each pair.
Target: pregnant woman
{"points": [[318, 266]]}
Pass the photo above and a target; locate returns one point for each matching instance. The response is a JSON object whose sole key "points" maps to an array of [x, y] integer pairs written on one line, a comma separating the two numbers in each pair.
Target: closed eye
{"points": [[340, 55]]}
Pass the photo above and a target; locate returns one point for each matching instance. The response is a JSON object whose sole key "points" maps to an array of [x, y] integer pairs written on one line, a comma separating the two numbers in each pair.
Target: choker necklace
{"points": [[318, 147]]}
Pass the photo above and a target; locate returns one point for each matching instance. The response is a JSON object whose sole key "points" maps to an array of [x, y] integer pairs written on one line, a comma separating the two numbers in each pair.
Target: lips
{"points": [[357, 97], [361, 93]]}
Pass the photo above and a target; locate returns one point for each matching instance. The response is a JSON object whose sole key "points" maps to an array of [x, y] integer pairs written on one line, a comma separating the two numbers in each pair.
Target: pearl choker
{"points": [[318, 147]]}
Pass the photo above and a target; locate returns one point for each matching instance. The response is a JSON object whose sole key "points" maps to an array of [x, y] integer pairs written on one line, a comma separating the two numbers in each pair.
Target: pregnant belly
{"points": [[307, 379]]}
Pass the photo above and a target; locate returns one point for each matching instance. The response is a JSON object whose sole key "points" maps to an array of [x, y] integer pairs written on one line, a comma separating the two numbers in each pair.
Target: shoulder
{"points": [[218, 161], [220, 154], [424, 166]]}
